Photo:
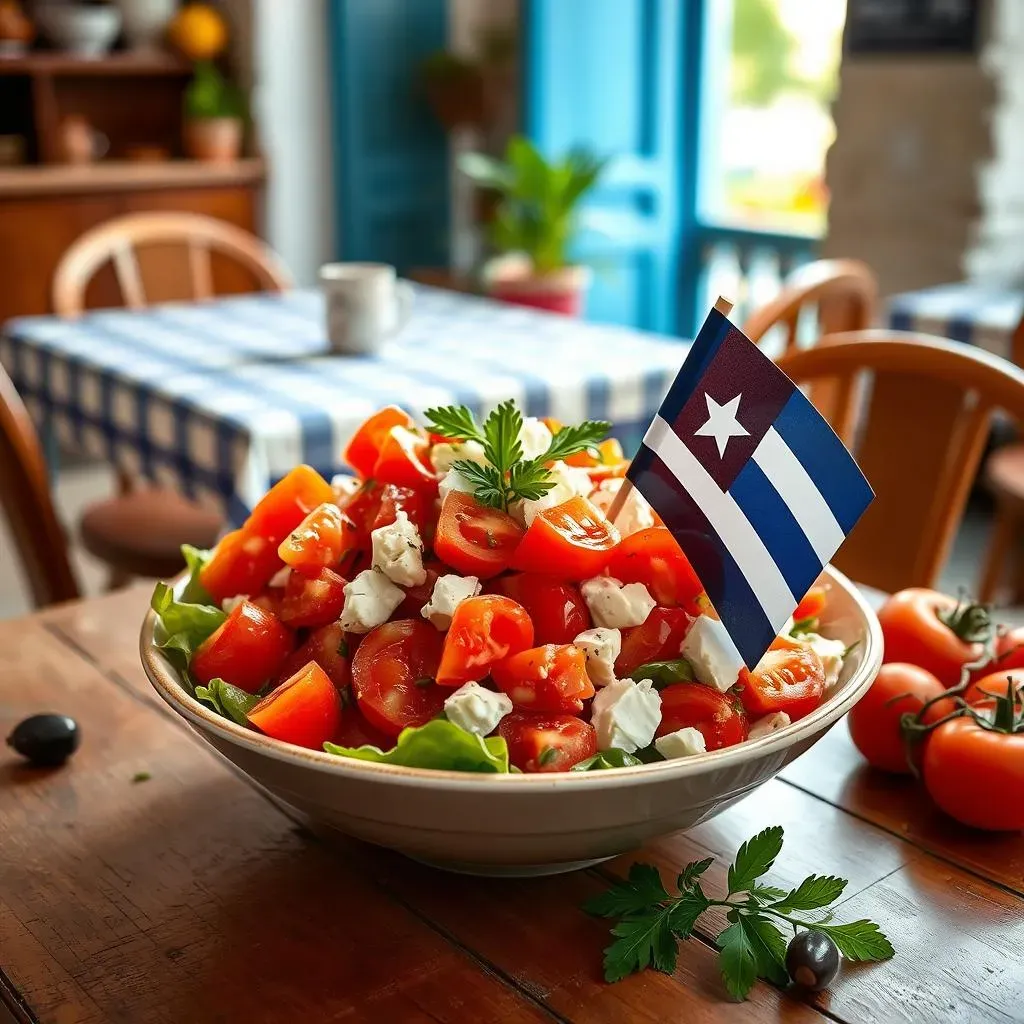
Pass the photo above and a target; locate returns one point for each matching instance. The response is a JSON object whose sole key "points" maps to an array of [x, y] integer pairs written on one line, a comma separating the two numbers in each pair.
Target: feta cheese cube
{"points": [[569, 482], [398, 551], [601, 646], [535, 437], [710, 650], [229, 604], [681, 743], [449, 592], [369, 601], [476, 709], [831, 654], [636, 513], [453, 481], [616, 605], [626, 714], [769, 724], [442, 455], [344, 486], [280, 578]]}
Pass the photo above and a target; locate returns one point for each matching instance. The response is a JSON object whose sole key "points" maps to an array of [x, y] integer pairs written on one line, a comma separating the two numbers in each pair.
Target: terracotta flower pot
{"points": [[561, 291], [215, 140]]}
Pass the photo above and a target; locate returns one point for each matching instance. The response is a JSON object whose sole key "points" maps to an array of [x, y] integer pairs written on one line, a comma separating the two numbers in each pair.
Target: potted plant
{"points": [[214, 116], [536, 222]]}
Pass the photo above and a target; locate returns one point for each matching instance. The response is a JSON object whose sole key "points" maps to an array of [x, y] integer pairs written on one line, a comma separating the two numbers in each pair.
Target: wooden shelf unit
{"points": [[68, 64]]}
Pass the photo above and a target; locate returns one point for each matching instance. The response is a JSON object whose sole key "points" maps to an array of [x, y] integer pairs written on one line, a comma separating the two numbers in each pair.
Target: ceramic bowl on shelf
{"points": [[528, 824], [86, 30]]}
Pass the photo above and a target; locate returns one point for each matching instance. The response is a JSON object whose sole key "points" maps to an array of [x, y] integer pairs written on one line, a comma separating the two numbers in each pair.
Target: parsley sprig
{"points": [[651, 921], [508, 477]]}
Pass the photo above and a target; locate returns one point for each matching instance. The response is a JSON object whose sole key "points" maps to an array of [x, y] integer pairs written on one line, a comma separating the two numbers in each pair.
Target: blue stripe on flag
{"points": [[777, 527], [721, 577], [708, 341], [826, 460]]}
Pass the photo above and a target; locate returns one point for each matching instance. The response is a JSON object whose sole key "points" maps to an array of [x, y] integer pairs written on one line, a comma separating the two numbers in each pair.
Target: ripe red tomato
{"points": [[557, 609], [410, 500], [572, 541], [475, 540], [393, 675], [790, 677], [718, 717], [659, 638], [548, 678], [547, 743], [362, 451], [995, 684], [484, 630], [811, 605], [240, 564], [304, 710], [404, 459], [328, 647], [417, 596], [914, 632], [363, 506], [653, 557], [976, 775], [1009, 652], [319, 540], [312, 600], [247, 648], [874, 720], [270, 600], [287, 503]]}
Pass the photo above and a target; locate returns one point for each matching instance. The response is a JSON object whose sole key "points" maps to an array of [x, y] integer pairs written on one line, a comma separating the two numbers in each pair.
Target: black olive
{"points": [[46, 740], [812, 960]]}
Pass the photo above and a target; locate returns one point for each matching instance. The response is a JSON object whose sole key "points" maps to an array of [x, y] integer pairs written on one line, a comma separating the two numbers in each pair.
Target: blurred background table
{"points": [[218, 400]]}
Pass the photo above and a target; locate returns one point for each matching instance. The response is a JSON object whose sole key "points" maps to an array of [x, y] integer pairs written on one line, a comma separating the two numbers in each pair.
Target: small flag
{"points": [[753, 483]]}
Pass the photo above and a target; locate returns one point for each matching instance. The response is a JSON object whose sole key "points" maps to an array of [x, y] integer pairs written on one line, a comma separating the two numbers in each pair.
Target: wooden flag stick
{"points": [[723, 305]]}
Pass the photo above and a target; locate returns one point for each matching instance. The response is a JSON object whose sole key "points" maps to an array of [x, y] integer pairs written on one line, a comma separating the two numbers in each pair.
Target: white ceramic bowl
{"points": [[528, 824], [85, 31]]}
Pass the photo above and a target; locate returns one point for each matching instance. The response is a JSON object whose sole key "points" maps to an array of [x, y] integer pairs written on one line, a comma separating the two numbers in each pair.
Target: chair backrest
{"points": [[844, 291], [194, 236], [25, 498], [915, 411], [1017, 343]]}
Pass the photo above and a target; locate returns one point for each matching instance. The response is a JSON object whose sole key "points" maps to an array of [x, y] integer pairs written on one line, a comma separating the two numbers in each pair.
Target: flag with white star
{"points": [[753, 483]]}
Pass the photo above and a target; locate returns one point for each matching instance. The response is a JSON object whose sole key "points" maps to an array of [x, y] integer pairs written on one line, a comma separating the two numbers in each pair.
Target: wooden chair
{"points": [[1004, 475], [919, 435], [845, 292]]}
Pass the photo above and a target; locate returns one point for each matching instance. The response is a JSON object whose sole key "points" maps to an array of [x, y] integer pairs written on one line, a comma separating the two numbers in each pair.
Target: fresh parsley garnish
{"points": [[804, 626], [507, 476], [651, 921]]}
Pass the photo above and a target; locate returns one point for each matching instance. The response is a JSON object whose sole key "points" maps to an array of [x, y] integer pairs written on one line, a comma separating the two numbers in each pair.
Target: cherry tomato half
{"points": [[548, 678], [304, 710], [659, 638], [811, 605], [557, 609], [241, 563], [718, 717], [404, 460], [328, 647], [484, 630], [475, 540], [246, 649], [362, 451], [319, 540], [572, 541], [393, 674], [313, 600], [654, 558], [790, 677], [547, 743], [287, 503], [410, 500]]}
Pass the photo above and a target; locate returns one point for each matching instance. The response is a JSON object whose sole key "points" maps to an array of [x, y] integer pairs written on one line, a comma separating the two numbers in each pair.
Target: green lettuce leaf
{"points": [[438, 744], [193, 591], [664, 673], [611, 758], [229, 701]]}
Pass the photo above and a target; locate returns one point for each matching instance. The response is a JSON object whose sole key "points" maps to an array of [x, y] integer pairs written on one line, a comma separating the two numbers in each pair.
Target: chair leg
{"points": [[1000, 546]]}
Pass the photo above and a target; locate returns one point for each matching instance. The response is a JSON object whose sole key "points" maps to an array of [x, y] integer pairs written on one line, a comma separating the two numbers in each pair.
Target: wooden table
{"points": [[190, 897]]}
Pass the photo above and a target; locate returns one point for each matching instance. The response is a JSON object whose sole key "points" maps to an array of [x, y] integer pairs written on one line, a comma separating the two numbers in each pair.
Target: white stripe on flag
{"points": [[798, 491], [728, 521]]}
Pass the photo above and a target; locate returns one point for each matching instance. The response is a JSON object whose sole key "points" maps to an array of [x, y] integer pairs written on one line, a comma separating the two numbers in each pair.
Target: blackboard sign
{"points": [[911, 26]]}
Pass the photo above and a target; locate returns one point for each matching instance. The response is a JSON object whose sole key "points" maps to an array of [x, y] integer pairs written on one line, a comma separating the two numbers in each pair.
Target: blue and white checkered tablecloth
{"points": [[968, 312], [220, 399]]}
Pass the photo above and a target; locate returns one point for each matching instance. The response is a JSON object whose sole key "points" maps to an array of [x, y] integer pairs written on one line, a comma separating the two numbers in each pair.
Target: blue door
{"points": [[614, 75], [390, 154]]}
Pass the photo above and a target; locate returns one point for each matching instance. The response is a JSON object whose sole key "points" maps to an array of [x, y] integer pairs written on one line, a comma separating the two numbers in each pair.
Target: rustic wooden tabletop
{"points": [[190, 897]]}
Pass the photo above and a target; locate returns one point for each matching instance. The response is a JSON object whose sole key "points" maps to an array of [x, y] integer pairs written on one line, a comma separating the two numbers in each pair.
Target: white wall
{"points": [[292, 112]]}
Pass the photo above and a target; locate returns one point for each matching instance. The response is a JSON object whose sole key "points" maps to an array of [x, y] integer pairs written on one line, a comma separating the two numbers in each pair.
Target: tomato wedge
{"points": [[548, 678], [319, 540], [719, 717], [474, 539], [811, 605], [313, 600], [393, 675], [287, 503], [572, 541], [404, 460], [240, 564], [362, 451], [659, 638], [547, 743], [328, 647], [790, 677], [653, 557], [484, 630], [410, 500], [556, 608], [304, 710], [611, 463], [247, 648]]}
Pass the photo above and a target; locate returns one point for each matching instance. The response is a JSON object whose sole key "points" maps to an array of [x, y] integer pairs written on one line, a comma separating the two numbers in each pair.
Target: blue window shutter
{"points": [[608, 74], [391, 176]]}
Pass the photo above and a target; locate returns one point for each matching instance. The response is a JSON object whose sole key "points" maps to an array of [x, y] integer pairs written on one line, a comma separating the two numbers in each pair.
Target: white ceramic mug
{"points": [[366, 304]]}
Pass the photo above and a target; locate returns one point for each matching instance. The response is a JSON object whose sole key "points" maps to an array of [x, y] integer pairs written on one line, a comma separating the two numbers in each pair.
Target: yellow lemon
{"points": [[198, 32]]}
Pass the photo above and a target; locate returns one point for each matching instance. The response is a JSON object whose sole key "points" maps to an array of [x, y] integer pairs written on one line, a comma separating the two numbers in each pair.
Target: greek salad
{"points": [[462, 601]]}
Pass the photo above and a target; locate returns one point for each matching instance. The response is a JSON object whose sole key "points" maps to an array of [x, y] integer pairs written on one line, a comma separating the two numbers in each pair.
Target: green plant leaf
{"points": [[438, 744], [231, 702], [736, 960], [485, 171], [454, 422], [768, 946], [193, 590], [641, 890], [767, 893], [611, 758], [813, 892], [804, 626], [664, 673], [488, 484], [689, 875], [645, 940], [501, 436], [685, 911], [182, 626], [859, 940], [576, 438], [754, 858]]}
